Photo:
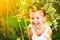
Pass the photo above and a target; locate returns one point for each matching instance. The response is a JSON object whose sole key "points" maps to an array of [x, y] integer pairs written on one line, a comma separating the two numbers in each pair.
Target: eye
{"points": [[32, 18], [37, 17]]}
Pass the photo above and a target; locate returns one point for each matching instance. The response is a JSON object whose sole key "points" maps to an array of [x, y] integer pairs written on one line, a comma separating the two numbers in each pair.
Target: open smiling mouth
{"points": [[36, 24]]}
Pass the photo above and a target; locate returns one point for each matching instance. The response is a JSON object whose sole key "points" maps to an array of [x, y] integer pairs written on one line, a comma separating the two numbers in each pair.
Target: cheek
{"points": [[30, 21], [41, 20]]}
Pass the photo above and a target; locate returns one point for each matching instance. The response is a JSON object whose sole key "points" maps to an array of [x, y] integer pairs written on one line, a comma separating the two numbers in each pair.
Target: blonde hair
{"points": [[34, 9]]}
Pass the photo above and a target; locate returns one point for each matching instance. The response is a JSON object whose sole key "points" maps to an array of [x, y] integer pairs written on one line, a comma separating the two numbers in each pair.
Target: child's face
{"points": [[37, 19]]}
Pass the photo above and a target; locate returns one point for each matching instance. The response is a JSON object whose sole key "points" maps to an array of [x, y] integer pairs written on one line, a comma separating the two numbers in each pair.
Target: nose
{"points": [[35, 20]]}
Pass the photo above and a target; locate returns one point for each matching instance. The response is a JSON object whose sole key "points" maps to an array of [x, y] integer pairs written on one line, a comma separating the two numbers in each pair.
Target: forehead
{"points": [[36, 13]]}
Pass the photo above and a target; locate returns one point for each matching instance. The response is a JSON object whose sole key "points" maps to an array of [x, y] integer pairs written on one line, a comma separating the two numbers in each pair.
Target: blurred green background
{"points": [[14, 17]]}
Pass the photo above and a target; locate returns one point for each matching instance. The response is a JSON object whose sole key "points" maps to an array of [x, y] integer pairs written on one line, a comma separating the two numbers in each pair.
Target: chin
{"points": [[36, 27]]}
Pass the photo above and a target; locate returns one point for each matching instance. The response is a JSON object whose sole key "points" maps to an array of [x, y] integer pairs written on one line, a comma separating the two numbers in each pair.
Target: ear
{"points": [[44, 19]]}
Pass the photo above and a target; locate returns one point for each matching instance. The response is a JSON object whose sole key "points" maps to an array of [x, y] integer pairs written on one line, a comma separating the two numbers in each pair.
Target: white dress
{"points": [[43, 36]]}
